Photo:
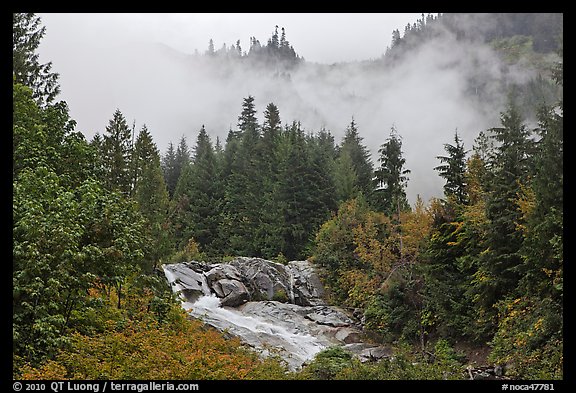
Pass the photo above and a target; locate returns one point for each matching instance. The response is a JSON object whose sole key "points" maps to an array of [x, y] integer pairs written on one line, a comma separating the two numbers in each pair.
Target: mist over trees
{"points": [[481, 264]]}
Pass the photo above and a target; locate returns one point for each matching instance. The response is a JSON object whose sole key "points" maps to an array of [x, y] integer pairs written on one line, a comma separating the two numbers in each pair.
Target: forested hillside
{"points": [[479, 267]]}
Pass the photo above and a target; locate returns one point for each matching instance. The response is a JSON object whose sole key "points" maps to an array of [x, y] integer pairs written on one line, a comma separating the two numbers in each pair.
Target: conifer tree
{"points": [[117, 154], [26, 35], [169, 169], [360, 158], [390, 177], [243, 182], [144, 152], [201, 196], [153, 200], [510, 169], [453, 170]]}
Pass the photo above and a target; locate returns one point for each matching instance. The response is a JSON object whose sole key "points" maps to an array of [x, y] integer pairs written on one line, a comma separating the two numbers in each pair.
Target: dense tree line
{"points": [[276, 52], [92, 220], [269, 188], [544, 30], [484, 264]]}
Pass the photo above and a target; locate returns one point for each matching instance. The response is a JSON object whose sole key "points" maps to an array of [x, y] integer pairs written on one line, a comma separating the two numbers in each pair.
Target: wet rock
{"points": [[266, 280], [276, 309], [367, 352], [331, 316], [483, 375], [307, 287], [186, 281], [348, 335], [222, 271], [498, 371], [233, 291]]}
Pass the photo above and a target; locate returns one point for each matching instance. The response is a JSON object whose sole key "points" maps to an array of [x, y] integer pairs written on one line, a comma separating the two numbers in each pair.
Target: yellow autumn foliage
{"points": [[137, 346]]}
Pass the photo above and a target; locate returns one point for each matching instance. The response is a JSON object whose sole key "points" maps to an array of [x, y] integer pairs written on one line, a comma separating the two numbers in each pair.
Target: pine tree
{"points": [[268, 151], [345, 178], [542, 207], [173, 163], [26, 36], [510, 169], [243, 182], [390, 177], [203, 197], [453, 170], [359, 157], [117, 154], [144, 152], [210, 51], [169, 169], [153, 200]]}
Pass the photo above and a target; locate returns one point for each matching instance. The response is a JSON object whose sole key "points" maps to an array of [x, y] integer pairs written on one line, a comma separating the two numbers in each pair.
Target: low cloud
{"points": [[443, 86]]}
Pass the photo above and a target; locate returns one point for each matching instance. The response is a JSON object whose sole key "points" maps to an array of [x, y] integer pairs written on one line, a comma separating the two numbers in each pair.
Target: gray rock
{"points": [[220, 271], [348, 335], [329, 315], [307, 287], [233, 291], [481, 376], [274, 308], [187, 282], [266, 280], [498, 371]]}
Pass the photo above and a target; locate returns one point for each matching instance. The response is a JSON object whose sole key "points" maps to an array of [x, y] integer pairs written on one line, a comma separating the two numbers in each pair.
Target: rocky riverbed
{"points": [[277, 309]]}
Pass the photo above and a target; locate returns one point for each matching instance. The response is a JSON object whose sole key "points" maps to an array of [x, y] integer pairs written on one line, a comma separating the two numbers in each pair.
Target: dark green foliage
{"points": [[116, 154], [453, 169], [302, 193], [391, 177], [169, 169], [173, 163], [265, 194], [44, 137], [543, 208], [448, 274], [26, 35], [152, 197], [510, 169], [328, 363], [64, 239], [199, 198], [361, 163], [443, 363], [244, 182], [68, 232]]}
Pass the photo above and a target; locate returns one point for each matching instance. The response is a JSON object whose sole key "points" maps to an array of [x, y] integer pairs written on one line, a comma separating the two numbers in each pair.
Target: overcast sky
{"points": [[318, 37], [106, 62]]}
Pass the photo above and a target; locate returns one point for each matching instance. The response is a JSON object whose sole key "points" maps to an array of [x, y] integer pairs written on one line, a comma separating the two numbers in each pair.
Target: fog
{"points": [[426, 96]]}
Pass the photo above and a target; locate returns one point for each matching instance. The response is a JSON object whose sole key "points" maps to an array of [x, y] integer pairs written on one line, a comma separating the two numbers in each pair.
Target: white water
{"points": [[256, 331], [270, 334], [291, 273]]}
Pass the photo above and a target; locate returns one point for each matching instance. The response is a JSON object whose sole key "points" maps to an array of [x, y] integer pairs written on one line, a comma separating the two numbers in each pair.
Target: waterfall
{"points": [[291, 282], [219, 295]]}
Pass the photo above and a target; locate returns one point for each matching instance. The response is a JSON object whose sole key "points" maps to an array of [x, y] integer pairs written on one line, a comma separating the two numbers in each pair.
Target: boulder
{"points": [[330, 316], [348, 335], [367, 352], [189, 283], [266, 280], [233, 292], [307, 287], [220, 271]]}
